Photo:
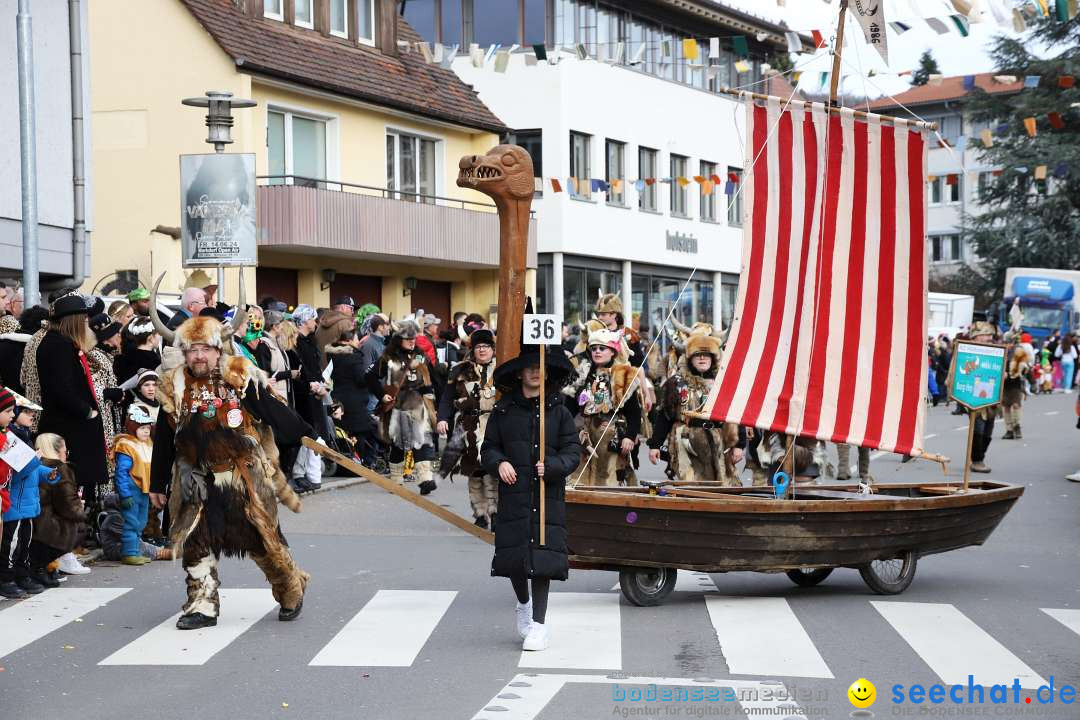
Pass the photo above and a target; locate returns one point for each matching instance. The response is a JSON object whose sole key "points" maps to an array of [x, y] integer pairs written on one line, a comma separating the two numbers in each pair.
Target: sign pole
{"points": [[543, 397], [967, 455]]}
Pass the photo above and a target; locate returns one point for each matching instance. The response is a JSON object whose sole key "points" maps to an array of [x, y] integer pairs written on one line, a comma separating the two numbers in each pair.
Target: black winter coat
{"points": [[350, 388], [131, 360], [66, 402], [513, 435], [309, 406], [11, 360]]}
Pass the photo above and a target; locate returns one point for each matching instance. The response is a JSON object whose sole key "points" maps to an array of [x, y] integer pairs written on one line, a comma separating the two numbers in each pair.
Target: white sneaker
{"points": [[537, 638], [524, 618], [70, 565], [1075, 477]]}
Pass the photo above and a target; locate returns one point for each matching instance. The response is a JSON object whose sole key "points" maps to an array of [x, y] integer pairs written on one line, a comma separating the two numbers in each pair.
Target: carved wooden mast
{"points": [[505, 174]]}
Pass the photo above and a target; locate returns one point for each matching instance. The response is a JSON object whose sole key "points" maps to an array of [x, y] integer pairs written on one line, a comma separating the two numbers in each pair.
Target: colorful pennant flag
{"points": [[962, 25], [425, 50], [1061, 169], [690, 49], [962, 6], [616, 184], [729, 188], [1056, 121], [1040, 172], [582, 52], [738, 44], [556, 186], [492, 49], [639, 185], [1031, 81], [715, 178], [741, 66], [683, 182], [502, 61], [1029, 125], [1066, 81], [951, 179], [572, 185], [1002, 128], [699, 179], [540, 50], [899, 28], [969, 82], [476, 54], [714, 47], [650, 181], [819, 40], [871, 17], [449, 55], [937, 25], [733, 177], [987, 138], [794, 42]]}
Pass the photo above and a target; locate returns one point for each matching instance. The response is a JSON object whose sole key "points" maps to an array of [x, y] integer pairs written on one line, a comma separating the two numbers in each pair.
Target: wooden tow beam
{"points": [[401, 491]]}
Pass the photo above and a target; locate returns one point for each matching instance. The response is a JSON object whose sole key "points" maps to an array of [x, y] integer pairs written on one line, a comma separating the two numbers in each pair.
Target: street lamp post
{"points": [[219, 123]]}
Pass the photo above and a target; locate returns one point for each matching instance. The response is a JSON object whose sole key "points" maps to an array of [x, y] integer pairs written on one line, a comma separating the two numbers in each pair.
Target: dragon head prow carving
{"points": [[505, 172]]}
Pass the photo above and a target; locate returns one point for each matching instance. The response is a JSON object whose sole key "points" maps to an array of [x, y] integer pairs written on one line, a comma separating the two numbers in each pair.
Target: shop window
{"points": [[410, 167], [304, 13], [616, 160], [339, 12], [729, 294], [580, 150], [647, 171], [274, 9], [296, 146], [735, 210], [707, 204], [678, 191]]}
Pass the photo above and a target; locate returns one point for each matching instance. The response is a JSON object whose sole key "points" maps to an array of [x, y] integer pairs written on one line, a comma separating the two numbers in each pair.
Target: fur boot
{"points": [[397, 473]]}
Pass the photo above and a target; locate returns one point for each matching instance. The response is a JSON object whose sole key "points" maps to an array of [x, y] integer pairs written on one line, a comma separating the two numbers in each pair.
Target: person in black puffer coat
{"points": [[511, 453]]}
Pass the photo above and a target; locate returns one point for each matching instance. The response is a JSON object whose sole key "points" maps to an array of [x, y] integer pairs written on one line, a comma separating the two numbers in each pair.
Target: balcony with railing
{"points": [[318, 216]]}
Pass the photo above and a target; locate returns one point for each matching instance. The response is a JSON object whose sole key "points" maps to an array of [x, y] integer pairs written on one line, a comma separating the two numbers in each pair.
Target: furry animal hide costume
{"points": [[471, 398], [215, 440], [599, 391]]}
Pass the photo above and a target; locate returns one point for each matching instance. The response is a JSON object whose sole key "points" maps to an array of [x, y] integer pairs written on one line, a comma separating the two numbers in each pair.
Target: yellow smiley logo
{"points": [[862, 693]]}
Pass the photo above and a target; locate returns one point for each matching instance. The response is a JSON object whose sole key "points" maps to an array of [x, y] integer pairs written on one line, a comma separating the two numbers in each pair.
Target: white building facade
{"points": [[604, 118]]}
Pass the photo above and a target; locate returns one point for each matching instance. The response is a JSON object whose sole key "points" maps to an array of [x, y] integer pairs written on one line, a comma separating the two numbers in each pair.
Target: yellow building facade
{"points": [[147, 56]]}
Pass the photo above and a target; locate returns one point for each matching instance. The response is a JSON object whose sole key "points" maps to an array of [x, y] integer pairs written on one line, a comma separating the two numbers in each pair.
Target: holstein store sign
{"points": [[217, 204]]}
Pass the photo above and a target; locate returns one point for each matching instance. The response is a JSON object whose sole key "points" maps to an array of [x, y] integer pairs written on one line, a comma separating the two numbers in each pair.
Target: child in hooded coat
{"points": [[133, 451]]}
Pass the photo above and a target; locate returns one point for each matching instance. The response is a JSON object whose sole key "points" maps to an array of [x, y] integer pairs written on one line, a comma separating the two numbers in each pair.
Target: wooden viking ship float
{"points": [[827, 343]]}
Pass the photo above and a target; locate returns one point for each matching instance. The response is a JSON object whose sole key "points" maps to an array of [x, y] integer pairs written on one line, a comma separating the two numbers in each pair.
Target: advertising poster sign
{"points": [[217, 208]]}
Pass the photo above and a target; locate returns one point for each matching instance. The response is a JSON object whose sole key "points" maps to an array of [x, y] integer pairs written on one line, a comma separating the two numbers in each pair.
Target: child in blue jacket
{"points": [[22, 489], [132, 451]]}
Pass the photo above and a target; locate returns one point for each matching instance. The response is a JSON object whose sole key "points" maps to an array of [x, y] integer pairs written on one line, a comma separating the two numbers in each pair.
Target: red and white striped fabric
{"points": [[829, 335]]}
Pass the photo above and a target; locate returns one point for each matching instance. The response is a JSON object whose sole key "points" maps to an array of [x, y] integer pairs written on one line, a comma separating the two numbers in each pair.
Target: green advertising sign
{"points": [[978, 374]]}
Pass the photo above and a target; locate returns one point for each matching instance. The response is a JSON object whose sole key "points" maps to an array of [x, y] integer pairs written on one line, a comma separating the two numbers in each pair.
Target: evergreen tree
{"points": [[1021, 221], [927, 66]]}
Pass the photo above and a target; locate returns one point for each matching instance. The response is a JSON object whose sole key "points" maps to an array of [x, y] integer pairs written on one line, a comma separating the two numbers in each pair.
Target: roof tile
{"points": [[306, 57]]}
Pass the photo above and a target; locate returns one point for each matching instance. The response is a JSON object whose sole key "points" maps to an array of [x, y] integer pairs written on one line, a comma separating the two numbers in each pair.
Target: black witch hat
{"points": [[557, 369]]}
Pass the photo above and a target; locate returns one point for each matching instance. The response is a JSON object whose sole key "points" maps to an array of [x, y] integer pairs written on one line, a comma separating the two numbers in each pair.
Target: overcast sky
{"points": [[956, 55]]}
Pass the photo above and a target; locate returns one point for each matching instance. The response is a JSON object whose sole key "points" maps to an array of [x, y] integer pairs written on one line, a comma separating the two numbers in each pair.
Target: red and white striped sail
{"points": [[829, 335]]}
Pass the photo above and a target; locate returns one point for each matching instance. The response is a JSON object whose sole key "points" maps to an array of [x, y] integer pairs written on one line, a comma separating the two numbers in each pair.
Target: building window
{"points": [[678, 190], [575, 23], [421, 16], [273, 9], [946, 249], [615, 168], [304, 13], [646, 172], [935, 190], [729, 293], [339, 13], [365, 21], [707, 209], [493, 22], [985, 182], [410, 167], [734, 212], [532, 141], [296, 148], [579, 163], [953, 188]]}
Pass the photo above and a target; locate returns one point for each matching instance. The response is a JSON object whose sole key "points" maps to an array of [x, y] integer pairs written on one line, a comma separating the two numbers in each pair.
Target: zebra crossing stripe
{"points": [[165, 645], [526, 696], [1070, 618], [389, 631], [954, 646], [689, 581], [762, 636], [586, 633], [30, 620]]}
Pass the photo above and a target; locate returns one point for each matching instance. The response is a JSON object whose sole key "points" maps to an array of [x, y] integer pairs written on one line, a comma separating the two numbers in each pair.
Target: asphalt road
{"points": [[402, 620]]}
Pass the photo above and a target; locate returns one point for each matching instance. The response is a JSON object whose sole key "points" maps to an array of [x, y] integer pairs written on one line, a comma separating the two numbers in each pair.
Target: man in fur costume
{"points": [[401, 379], [700, 450], [214, 446], [465, 406], [1021, 361], [598, 393]]}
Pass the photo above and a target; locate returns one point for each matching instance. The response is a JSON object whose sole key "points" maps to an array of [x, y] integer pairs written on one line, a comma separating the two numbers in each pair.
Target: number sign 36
{"points": [[541, 330]]}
